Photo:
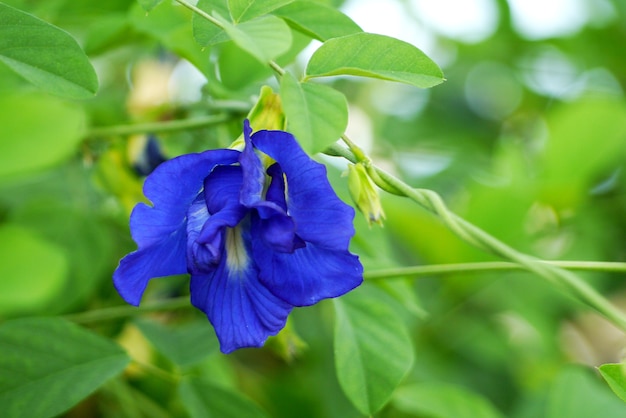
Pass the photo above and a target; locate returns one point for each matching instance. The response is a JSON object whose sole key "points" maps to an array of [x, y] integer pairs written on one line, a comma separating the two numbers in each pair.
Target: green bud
{"points": [[364, 194], [267, 113]]}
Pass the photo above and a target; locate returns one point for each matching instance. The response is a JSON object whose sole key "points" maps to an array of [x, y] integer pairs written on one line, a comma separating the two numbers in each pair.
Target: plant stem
{"points": [[123, 311], [475, 236], [486, 267], [158, 127], [201, 13], [273, 64]]}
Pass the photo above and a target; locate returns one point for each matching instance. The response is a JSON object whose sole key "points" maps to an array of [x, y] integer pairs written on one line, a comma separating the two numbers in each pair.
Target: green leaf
{"points": [[45, 55], [204, 399], [49, 365], [373, 351], [578, 393], [586, 140], [317, 115], [27, 285], [317, 20], [238, 69], [81, 237], [442, 401], [107, 33], [185, 345], [37, 131], [148, 5], [169, 24], [241, 10], [264, 38], [205, 32], [376, 56], [615, 376]]}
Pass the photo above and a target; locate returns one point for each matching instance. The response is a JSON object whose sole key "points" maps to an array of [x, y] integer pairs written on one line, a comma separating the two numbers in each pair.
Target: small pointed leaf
{"points": [[49, 365], [373, 350], [264, 38], [317, 20], [45, 55], [317, 115], [442, 401], [242, 10], [375, 56], [204, 399]]}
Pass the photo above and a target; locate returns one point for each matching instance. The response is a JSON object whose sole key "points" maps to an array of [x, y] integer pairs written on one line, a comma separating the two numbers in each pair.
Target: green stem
{"points": [[201, 13], [486, 267], [158, 127], [273, 64], [475, 236], [158, 372], [124, 311]]}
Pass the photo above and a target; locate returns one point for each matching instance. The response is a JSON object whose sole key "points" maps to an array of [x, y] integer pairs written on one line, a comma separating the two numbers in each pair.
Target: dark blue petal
{"points": [[160, 230], [307, 275], [253, 173], [222, 186], [137, 268], [320, 216], [216, 208], [279, 233], [172, 187], [242, 310], [201, 257], [276, 190]]}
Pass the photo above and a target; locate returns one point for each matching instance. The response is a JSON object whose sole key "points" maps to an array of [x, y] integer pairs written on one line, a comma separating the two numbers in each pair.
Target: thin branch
{"points": [[158, 127]]}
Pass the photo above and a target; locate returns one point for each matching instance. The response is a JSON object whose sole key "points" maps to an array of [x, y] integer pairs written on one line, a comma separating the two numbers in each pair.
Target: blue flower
{"points": [[256, 242]]}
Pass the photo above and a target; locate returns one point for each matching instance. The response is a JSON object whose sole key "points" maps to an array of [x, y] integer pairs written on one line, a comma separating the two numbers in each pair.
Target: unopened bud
{"points": [[267, 113], [365, 194]]}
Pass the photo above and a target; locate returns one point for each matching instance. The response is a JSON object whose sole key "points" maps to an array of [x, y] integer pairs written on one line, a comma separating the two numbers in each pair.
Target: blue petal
{"points": [[253, 175], [172, 187], [279, 233], [222, 186], [201, 257], [276, 190], [242, 310], [137, 268], [160, 230], [307, 275], [216, 208], [320, 216]]}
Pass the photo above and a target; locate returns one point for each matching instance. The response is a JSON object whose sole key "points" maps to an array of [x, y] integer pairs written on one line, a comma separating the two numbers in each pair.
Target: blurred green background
{"points": [[526, 139]]}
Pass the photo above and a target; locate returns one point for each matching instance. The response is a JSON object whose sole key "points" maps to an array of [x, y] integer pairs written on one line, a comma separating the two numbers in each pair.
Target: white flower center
{"points": [[236, 254]]}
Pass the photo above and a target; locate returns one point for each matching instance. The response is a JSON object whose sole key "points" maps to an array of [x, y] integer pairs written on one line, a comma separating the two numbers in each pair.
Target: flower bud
{"points": [[267, 114], [364, 194]]}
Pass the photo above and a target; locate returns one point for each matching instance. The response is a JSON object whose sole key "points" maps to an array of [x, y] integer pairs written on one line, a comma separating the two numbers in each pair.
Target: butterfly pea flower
{"points": [[256, 241]]}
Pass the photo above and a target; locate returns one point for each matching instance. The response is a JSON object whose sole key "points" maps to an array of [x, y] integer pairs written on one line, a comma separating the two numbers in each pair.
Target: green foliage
{"points": [[204, 32], [525, 139], [38, 131], [442, 401], [373, 351], [45, 55], [317, 20], [265, 38], [184, 345], [376, 56], [48, 365], [577, 393], [615, 376], [241, 10], [204, 399], [316, 114], [27, 285]]}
